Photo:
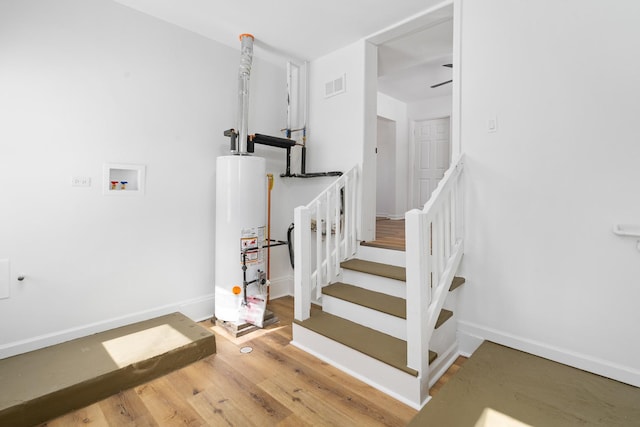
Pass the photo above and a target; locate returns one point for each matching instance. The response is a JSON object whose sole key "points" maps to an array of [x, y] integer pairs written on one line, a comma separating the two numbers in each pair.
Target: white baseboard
{"points": [[393, 217], [281, 287], [197, 309], [472, 332], [467, 343]]}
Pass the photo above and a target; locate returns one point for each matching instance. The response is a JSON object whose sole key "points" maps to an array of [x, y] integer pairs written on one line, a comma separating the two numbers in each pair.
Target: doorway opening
{"points": [[417, 77]]}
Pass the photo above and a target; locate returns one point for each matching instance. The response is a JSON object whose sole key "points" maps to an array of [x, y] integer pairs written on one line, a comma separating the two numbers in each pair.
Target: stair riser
{"points": [[385, 323], [445, 336], [384, 256], [396, 288], [389, 380]]}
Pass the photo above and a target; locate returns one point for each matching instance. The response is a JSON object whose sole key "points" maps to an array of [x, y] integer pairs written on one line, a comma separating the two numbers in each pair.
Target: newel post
{"points": [[418, 290], [302, 261]]}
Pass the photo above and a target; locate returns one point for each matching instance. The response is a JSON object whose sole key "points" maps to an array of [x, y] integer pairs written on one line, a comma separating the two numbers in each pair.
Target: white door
{"points": [[433, 154]]}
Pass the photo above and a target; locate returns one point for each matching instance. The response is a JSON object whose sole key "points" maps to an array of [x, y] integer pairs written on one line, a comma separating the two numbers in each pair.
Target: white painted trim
{"points": [[443, 363], [197, 309], [456, 86], [281, 287], [393, 217], [421, 20], [467, 343], [585, 362]]}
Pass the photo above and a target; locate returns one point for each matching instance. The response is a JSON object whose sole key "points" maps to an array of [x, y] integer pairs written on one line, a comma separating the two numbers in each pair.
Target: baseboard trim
{"points": [[196, 309], [473, 332], [281, 287]]}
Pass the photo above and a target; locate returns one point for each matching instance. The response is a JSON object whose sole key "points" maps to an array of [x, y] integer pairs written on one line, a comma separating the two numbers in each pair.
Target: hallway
{"points": [[389, 234]]}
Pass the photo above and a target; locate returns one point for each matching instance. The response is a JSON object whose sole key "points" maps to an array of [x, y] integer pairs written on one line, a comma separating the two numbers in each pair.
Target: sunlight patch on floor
{"points": [[492, 418], [145, 344]]}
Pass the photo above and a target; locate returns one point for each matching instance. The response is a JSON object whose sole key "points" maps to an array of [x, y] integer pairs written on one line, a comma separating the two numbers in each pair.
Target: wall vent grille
{"points": [[335, 87]]}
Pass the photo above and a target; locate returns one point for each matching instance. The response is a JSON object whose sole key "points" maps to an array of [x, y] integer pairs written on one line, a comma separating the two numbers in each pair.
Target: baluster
{"points": [[446, 218], [302, 271], [346, 216], [338, 235], [454, 212], [319, 269], [327, 242]]}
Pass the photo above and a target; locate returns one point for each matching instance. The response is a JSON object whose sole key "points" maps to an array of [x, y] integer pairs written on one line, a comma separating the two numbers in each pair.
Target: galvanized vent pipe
{"points": [[246, 56]]}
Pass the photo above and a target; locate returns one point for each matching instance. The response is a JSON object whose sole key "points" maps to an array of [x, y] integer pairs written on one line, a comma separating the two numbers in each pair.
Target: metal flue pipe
{"points": [[246, 57]]}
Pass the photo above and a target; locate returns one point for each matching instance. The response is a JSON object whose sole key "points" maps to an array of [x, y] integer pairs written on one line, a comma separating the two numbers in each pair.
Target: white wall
{"points": [[85, 83], [392, 109], [342, 128], [544, 271], [431, 108]]}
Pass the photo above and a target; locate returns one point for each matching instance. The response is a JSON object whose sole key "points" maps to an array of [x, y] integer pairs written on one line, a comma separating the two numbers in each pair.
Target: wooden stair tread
{"points": [[374, 300], [457, 282], [376, 268], [382, 347], [443, 317]]}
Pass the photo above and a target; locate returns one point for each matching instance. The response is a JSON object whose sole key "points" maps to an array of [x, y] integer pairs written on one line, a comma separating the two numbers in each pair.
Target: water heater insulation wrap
{"points": [[240, 225]]}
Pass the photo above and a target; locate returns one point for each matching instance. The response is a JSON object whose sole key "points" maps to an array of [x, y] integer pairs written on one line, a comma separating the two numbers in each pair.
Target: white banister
{"points": [[332, 215], [434, 247]]}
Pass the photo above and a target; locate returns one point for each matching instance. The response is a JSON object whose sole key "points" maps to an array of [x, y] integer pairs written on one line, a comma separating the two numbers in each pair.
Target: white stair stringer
{"points": [[443, 362], [393, 287], [374, 319], [394, 382]]}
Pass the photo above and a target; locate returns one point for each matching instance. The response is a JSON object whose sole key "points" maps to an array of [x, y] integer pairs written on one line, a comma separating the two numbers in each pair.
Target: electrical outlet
{"points": [[80, 181]]}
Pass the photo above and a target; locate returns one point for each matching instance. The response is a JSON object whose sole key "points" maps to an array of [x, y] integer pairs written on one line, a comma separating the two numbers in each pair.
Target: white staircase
{"points": [[388, 317], [366, 333]]}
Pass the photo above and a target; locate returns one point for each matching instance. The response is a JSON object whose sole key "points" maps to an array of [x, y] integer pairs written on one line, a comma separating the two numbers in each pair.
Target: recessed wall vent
{"points": [[335, 87]]}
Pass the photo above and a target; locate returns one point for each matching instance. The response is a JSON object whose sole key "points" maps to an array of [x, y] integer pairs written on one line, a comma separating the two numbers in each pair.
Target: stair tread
{"points": [[376, 268], [374, 300], [375, 344], [457, 282], [443, 317]]}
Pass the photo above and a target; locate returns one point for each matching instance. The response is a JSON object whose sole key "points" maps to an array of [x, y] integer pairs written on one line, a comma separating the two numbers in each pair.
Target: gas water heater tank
{"points": [[240, 228]]}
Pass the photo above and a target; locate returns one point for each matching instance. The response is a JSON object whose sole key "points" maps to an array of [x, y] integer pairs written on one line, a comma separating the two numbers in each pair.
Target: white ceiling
{"points": [[409, 65], [309, 29]]}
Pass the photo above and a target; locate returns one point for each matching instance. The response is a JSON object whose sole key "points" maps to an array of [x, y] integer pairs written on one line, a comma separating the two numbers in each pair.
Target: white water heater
{"points": [[241, 187]]}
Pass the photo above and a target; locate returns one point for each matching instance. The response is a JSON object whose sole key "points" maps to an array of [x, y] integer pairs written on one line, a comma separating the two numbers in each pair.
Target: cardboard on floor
{"points": [[52, 381]]}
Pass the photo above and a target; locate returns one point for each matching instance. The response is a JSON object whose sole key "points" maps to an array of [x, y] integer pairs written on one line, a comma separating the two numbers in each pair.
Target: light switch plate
{"points": [[81, 181], [492, 124]]}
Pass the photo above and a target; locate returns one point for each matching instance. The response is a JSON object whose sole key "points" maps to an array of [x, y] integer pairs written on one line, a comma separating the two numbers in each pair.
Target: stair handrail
{"points": [[434, 248], [333, 213]]}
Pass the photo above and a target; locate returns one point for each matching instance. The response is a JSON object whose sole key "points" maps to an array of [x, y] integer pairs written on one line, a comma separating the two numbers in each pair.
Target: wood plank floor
{"points": [[390, 234], [274, 385]]}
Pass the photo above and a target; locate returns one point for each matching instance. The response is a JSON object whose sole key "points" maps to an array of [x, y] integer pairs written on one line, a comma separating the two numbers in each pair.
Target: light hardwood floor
{"points": [[389, 234], [274, 385]]}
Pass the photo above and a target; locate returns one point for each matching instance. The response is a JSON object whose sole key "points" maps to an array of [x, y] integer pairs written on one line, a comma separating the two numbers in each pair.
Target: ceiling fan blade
{"points": [[440, 84]]}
